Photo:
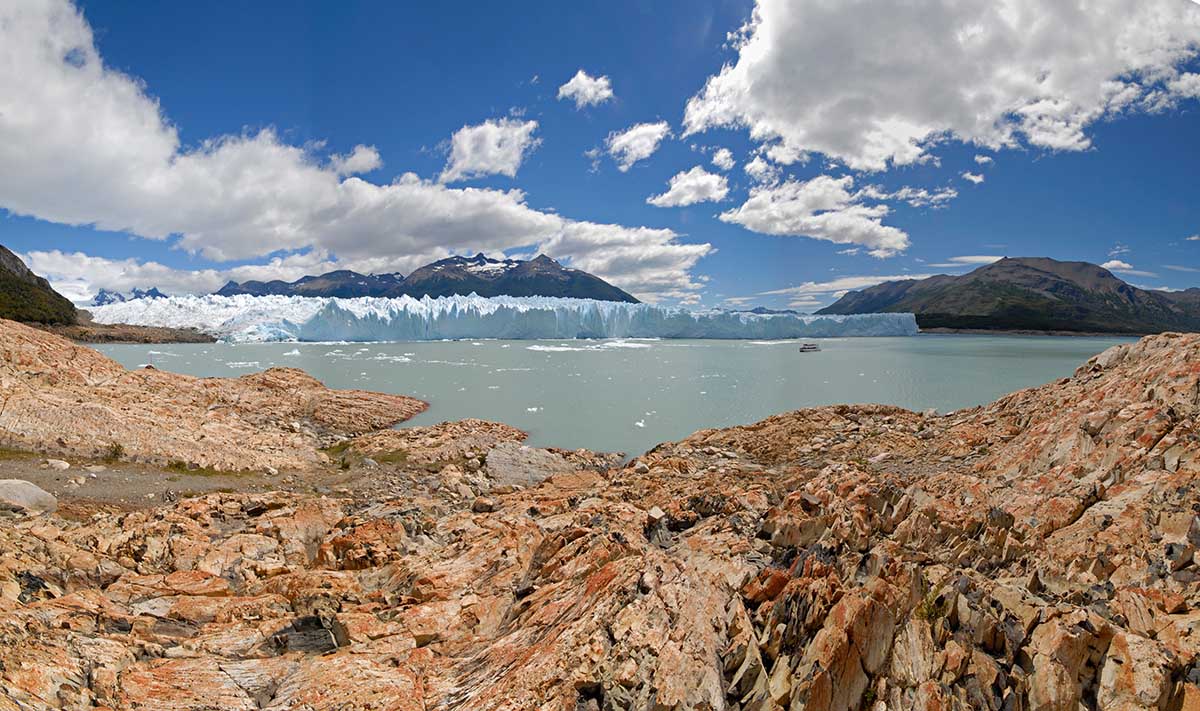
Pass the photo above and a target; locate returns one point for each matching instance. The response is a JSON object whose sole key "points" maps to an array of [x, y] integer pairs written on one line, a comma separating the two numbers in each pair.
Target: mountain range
{"points": [[540, 276], [1030, 293], [105, 296]]}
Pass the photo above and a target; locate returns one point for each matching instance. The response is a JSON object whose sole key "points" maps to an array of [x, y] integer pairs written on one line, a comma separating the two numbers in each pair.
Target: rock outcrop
{"points": [[59, 397], [1037, 553], [22, 497]]}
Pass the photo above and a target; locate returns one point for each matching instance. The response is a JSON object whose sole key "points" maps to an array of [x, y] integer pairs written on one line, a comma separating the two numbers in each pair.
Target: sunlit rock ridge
{"points": [[294, 318]]}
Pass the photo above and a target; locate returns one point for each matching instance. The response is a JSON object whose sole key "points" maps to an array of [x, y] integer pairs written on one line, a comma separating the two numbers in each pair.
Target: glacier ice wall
{"points": [[297, 318]]}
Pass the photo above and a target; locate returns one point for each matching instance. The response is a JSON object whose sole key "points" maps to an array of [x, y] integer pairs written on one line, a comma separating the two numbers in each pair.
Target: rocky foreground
{"points": [[66, 399], [1036, 553]]}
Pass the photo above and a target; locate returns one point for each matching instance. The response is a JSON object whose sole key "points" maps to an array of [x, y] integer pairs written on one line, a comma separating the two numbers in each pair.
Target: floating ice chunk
{"points": [[298, 318]]}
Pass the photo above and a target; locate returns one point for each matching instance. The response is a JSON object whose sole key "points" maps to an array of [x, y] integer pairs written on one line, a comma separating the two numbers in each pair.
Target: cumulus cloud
{"points": [[363, 159], [586, 90], [78, 276], [1116, 265], [1186, 86], [822, 208], [723, 159], [875, 85], [494, 147], [984, 160], [762, 171], [690, 187], [636, 143], [84, 144], [647, 262], [973, 177]]}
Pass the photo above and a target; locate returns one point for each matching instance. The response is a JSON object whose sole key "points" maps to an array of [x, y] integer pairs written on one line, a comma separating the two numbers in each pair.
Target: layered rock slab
{"points": [[60, 397]]}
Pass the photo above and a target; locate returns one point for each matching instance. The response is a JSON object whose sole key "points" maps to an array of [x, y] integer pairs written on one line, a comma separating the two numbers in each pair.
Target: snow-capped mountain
{"points": [[454, 276], [105, 297]]}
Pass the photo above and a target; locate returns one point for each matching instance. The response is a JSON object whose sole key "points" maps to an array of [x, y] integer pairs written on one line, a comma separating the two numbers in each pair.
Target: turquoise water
{"points": [[630, 395]]}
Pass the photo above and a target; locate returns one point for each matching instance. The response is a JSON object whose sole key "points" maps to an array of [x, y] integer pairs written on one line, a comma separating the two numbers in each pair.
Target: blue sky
{"points": [[175, 145]]}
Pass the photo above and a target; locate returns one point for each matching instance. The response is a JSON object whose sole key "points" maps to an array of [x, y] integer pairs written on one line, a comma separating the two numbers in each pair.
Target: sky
{"points": [[732, 153]]}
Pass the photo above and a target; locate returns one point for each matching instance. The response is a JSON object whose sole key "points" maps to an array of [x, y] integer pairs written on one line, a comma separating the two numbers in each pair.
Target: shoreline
{"points": [[1028, 332], [90, 332]]}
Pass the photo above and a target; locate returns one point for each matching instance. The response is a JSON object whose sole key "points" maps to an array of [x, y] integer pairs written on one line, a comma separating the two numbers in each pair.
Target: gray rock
{"points": [[58, 464], [21, 496], [515, 464]]}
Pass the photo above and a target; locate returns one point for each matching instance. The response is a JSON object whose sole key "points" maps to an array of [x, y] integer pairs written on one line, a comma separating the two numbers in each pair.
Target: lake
{"points": [[628, 395]]}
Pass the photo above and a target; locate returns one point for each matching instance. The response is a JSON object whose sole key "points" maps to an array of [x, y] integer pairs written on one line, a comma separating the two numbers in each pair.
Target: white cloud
{"points": [[838, 287], [690, 187], [84, 144], [973, 177], [586, 90], [723, 159], [1193, 238], [78, 275], [976, 259], [821, 208], [915, 197], [1116, 265], [636, 143], [1185, 86], [970, 260], [1118, 249], [879, 86], [649, 263], [762, 171], [363, 159], [1180, 268], [806, 303], [494, 147], [984, 160]]}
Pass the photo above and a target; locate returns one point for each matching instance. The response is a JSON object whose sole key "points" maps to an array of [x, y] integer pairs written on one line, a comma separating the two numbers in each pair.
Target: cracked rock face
{"points": [[1029, 554], [59, 397]]}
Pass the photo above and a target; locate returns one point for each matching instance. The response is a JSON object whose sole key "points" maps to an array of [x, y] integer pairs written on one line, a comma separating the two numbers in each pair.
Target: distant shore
{"points": [[1029, 332], [125, 333]]}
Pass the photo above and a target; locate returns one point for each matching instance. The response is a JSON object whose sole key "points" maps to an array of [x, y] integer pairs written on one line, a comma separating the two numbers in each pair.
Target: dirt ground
{"points": [[93, 485]]}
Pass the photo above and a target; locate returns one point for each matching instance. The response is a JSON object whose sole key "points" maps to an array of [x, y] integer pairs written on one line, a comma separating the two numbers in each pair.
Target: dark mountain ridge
{"points": [[541, 276], [25, 296], [1030, 293]]}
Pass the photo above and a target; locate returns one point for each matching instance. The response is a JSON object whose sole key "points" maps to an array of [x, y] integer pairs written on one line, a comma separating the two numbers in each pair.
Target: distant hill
{"points": [[1030, 293], [25, 296], [541, 276], [342, 283]]}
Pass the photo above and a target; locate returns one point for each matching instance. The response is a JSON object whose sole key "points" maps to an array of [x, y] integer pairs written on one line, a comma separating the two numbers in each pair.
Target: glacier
{"points": [[246, 318]]}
